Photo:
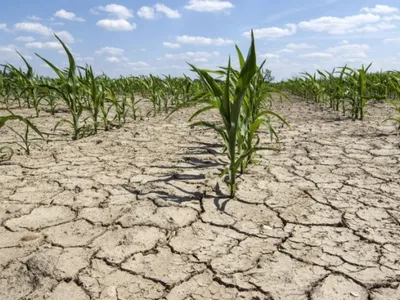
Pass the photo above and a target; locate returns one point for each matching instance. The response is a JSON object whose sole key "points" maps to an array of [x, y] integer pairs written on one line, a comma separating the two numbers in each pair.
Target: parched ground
{"points": [[138, 213]]}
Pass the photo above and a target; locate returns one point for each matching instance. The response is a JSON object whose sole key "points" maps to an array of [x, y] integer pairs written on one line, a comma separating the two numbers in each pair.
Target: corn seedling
{"points": [[49, 96], [238, 101], [68, 90], [95, 93], [395, 85], [134, 105], [120, 105], [5, 151]]}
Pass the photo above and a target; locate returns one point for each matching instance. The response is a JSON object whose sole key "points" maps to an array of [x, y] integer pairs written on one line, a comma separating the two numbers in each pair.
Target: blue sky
{"points": [[140, 37]]}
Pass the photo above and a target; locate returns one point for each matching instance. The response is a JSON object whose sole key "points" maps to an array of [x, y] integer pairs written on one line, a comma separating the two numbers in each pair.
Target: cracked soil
{"points": [[137, 213]]}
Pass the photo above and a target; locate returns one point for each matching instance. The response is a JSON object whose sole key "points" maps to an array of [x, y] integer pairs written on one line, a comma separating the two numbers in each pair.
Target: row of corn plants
{"points": [[345, 89], [241, 96], [93, 102]]}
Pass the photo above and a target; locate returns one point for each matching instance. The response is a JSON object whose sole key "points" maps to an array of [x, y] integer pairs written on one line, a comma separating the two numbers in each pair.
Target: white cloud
{"points": [[168, 12], [34, 28], [191, 55], [138, 64], [65, 36], [391, 18], [316, 55], [115, 10], [47, 45], [201, 60], [34, 18], [112, 59], [392, 40], [350, 52], [62, 51], [273, 32], [199, 40], [146, 12], [57, 23], [380, 9], [116, 25], [299, 46], [171, 45], [63, 14], [41, 30], [111, 51], [25, 39], [349, 48], [9, 52], [3, 26], [269, 55], [286, 51], [84, 59], [377, 27], [8, 49], [335, 25], [209, 5]]}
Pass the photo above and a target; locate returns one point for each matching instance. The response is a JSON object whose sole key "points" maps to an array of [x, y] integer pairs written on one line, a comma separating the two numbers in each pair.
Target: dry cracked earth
{"points": [[139, 213]]}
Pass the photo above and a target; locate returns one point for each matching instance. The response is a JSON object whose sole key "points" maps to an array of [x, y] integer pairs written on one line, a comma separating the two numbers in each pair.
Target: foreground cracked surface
{"points": [[139, 213]]}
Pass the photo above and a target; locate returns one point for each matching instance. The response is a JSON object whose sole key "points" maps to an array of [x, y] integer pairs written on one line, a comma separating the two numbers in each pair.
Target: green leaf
{"points": [[214, 126]]}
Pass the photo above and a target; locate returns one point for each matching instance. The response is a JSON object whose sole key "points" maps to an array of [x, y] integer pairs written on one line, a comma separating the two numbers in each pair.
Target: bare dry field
{"points": [[139, 213]]}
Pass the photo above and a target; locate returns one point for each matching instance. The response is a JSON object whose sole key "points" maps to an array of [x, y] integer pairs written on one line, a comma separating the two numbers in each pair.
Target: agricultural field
{"points": [[223, 185]]}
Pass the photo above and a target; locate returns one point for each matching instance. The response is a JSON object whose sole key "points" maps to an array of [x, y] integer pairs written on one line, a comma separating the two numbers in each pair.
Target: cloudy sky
{"points": [[140, 37]]}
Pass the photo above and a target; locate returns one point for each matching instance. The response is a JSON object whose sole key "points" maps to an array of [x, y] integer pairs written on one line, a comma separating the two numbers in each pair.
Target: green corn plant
{"points": [[127, 88], [229, 99], [134, 105], [95, 92], [152, 87], [396, 119], [395, 86], [5, 88], [256, 113], [29, 80], [105, 111], [68, 91], [171, 92], [359, 91], [340, 92], [26, 142], [186, 92], [7, 152], [14, 86], [313, 87], [48, 95], [121, 107], [327, 82]]}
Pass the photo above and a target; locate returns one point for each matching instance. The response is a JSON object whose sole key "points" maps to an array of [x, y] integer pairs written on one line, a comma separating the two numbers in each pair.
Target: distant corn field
{"points": [[242, 97]]}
